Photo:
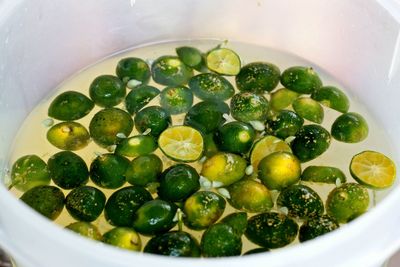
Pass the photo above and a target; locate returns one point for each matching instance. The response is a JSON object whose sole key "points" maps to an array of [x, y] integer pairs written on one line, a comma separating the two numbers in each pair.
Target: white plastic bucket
{"points": [[42, 42]]}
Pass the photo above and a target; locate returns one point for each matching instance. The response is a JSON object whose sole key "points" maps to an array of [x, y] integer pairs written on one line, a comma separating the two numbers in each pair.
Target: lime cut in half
{"points": [[373, 169], [223, 61], [181, 143]]}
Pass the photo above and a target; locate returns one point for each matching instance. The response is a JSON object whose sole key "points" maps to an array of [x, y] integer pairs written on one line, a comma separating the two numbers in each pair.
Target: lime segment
{"points": [[181, 143], [373, 169], [223, 61]]}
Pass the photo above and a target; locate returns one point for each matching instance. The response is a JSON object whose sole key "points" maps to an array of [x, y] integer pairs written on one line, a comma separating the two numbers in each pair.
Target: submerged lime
{"points": [[235, 137], [132, 68], [123, 237], [107, 124], [29, 171], [258, 77], [107, 91], [46, 199], [68, 135], [332, 97], [350, 127], [224, 168], [279, 170], [302, 80], [308, 109], [176, 99], [211, 86], [170, 71], [69, 106], [85, 229], [347, 202]]}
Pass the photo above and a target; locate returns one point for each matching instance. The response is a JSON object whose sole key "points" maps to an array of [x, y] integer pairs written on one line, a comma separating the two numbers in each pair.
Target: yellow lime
{"points": [[279, 170], [266, 146], [181, 143], [373, 169], [224, 169], [223, 61]]}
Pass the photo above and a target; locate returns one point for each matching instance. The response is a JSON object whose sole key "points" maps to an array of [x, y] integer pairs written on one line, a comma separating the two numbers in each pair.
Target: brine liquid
{"points": [[31, 138]]}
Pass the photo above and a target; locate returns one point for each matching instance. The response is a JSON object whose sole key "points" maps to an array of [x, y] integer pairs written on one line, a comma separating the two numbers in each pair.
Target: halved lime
{"points": [[181, 143], [373, 169], [223, 61], [266, 146]]}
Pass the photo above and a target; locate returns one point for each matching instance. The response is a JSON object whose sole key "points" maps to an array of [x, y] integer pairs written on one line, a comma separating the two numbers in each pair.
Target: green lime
{"points": [[250, 195], [211, 86], [107, 91], [271, 230], [192, 57], [175, 244], [310, 142], [107, 124], [45, 199], [68, 170], [279, 170], [85, 229], [258, 77], [29, 171], [178, 182], [69, 106], [301, 201], [323, 174], [302, 80], [154, 119], [223, 61], [85, 203], [235, 137], [68, 135], [237, 220], [176, 99], [350, 128], [170, 71], [136, 146], [249, 107], [317, 226], [123, 237], [332, 97], [265, 146], [347, 202], [220, 240], [132, 68], [282, 98], [139, 97], [207, 116], [108, 170], [155, 217], [308, 109], [285, 123], [122, 204], [144, 169], [224, 168], [202, 209]]}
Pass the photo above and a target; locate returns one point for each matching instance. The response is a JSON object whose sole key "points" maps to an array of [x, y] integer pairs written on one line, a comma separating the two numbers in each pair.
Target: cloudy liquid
{"points": [[31, 138]]}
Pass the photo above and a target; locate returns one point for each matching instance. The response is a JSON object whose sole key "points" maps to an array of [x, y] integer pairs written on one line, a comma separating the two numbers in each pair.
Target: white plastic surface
{"points": [[42, 42]]}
